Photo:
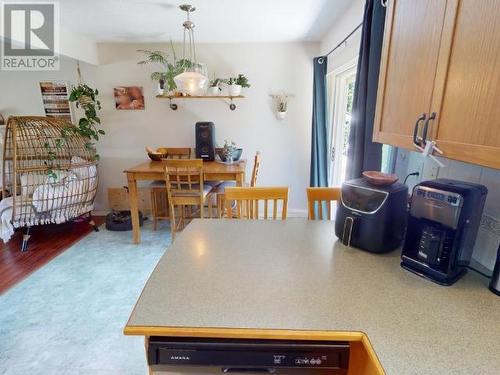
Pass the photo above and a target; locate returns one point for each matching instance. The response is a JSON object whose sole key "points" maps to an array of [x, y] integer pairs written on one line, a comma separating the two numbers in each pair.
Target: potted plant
{"points": [[214, 88], [161, 58], [171, 68], [281, 102], [229, 153], [236, 83]]}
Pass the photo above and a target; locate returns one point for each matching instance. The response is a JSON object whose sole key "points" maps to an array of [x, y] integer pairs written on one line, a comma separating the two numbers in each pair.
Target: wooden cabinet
{"points": [[442, 57], [409, 62]]}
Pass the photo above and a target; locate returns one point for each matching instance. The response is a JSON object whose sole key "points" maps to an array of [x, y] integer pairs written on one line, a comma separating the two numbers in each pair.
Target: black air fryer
{"points": [[442, 226], [371, 217]]}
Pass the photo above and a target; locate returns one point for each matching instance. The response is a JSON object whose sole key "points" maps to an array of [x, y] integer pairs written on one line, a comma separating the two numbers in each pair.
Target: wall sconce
{"points": [[281, 104]]}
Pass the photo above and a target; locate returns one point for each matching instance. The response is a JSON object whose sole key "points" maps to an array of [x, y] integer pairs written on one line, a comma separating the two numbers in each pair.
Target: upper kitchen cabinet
{"points": [[441, 58], [409, 62], [467, 126]]}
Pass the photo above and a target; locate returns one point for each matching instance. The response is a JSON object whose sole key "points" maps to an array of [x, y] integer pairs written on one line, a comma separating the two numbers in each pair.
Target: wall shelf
{"points": [[174, 106]]}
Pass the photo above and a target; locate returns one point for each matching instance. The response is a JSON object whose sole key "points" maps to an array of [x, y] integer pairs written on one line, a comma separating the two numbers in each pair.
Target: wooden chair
{"points": [[253, 182], [184, 185], [318, 195], [247, 202], [159, 201]]}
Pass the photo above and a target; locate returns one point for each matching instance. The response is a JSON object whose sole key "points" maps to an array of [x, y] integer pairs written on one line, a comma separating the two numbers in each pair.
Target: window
{"points": [[340, 95], [340, 99]]}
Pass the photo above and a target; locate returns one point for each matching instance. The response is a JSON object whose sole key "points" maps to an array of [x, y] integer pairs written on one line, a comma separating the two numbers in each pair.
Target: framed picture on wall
{"points": [[129, 97], [55, 98]]}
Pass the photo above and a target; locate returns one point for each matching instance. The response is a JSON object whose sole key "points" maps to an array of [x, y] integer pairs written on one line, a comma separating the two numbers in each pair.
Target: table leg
{"points": [[134, 208]]}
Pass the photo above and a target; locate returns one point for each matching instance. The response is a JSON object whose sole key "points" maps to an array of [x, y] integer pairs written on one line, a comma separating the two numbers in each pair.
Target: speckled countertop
{"points": [[295, 275]]}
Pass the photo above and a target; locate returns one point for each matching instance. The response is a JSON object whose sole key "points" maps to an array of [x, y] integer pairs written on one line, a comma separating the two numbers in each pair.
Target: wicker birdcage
{"points": [[49, 173]]}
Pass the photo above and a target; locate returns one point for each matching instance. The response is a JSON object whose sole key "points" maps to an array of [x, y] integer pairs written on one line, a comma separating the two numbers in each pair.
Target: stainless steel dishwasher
{"points": [[189, 356]]}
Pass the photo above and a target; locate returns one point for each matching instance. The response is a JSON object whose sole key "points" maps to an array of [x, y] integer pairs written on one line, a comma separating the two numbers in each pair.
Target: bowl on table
{"points": [[236, 154], [160, 153], [380, 179]]}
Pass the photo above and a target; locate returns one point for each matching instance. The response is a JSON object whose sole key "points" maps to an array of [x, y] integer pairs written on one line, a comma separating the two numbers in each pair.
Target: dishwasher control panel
{"points": [[240, 354]]}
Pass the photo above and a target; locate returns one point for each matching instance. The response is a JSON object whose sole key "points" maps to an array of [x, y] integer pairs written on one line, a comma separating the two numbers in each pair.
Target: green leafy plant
{"points": [[171, 67], [85, 98], [239, 80], [217, 82], [242, 81]]}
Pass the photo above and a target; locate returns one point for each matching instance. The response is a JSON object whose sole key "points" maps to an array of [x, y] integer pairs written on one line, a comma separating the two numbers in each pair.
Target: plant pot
{"points": [[281, 115], [234, 90], [213, 90], [236, 154]]}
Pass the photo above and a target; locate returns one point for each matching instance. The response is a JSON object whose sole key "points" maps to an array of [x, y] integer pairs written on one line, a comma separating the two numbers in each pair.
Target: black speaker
{"points": [[205, 140]]}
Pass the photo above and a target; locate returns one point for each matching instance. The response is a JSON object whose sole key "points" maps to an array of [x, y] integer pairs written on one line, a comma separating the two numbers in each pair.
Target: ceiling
{"points": [[217, 21]]}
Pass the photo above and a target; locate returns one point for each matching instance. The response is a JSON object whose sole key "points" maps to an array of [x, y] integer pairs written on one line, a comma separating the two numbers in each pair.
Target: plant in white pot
{"points": [[214, 86], [281, 102], [235, 84]]}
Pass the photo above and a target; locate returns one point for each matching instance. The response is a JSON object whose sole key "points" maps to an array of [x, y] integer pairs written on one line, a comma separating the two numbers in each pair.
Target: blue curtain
{"points": [[362, 153], [319, 152]]}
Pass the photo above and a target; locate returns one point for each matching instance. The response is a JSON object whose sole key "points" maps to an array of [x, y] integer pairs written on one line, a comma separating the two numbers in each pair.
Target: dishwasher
{"points": [[191, 356]]}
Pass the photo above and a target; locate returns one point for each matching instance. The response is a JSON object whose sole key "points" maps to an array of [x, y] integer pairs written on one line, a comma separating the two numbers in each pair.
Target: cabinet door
{"points": [[408, 67], [467, 126]]}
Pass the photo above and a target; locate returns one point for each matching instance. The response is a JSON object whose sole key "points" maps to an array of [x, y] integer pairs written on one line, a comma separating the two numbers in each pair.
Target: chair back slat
{"points": [[248, 200], [255, 171], [317, 197], [184, 176]]}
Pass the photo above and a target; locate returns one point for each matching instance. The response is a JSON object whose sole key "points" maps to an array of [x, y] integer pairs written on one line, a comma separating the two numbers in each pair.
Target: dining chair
{"points": [[248, 201], [253, 182], [159, 201], [185, 188], [315, 198]]}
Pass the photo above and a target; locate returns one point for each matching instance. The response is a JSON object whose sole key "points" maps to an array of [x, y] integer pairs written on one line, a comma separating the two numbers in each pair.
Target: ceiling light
{"points": [[193, 80]]}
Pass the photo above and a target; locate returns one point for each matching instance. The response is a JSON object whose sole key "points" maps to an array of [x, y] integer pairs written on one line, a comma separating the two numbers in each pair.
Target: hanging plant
{"points": [[85, 98]]}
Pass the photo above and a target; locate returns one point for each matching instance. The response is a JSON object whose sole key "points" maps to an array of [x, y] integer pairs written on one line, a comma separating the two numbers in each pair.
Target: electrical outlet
{"points": [[430, 171]]}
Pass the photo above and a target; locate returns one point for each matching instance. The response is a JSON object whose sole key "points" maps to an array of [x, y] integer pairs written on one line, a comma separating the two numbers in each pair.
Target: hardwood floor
{"points": [[46, 242]]}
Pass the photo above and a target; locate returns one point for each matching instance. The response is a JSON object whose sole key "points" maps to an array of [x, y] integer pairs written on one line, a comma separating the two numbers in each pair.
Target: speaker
{"points": [[205, 140]]}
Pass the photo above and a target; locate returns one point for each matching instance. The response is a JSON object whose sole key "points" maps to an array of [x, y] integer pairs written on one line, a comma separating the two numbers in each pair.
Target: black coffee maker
{"points": [[442, 226]]}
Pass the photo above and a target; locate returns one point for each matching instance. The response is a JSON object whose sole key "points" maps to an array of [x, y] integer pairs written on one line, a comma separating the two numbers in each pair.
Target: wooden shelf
{"points": [[174, 106]]}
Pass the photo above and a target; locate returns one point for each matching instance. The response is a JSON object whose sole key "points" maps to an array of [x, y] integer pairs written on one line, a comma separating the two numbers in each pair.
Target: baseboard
{"points": [[295, 212], [291, 213]]}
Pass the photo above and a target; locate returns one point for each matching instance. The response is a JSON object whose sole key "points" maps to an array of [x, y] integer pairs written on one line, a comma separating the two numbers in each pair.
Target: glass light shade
{"points": [[191, 83]]}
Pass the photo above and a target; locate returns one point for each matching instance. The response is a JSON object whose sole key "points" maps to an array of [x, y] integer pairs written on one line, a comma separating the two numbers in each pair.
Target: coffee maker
{"points": [[442, 226]]}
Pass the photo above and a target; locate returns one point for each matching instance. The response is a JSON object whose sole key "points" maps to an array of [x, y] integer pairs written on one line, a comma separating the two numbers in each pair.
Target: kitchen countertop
{"points": [[294, 275]]}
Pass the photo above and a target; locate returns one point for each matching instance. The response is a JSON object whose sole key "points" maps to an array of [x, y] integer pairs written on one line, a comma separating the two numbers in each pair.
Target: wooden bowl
{"points": [[379, 178], [157, 156]]}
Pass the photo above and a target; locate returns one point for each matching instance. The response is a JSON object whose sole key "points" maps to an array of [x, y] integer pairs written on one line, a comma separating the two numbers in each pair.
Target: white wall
{"points": [[489, 233], [271, 68], [347, 23]]}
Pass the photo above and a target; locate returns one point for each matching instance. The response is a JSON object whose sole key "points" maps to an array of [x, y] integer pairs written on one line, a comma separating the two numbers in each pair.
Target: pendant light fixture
{"points": [[191, 81]]}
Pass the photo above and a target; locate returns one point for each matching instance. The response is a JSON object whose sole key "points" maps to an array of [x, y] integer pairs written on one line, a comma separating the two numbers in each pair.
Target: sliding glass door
{"points": [[340, 97]]}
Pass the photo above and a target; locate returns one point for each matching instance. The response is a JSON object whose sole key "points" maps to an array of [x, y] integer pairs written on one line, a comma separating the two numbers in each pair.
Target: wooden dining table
{"points": [[154, 170]]}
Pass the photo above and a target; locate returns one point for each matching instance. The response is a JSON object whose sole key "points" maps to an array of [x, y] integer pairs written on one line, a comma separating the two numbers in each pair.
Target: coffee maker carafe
{"points": [[442, 226]]}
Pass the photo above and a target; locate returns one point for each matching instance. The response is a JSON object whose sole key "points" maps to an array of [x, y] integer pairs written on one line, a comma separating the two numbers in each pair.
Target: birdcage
{"points": [[49, 174]]}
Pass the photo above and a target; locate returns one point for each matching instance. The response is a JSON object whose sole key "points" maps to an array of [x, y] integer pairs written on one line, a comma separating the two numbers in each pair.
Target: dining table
{"points": [[155, 170]]}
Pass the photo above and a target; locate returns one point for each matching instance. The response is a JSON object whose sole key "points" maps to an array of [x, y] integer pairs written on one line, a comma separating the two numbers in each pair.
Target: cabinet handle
{"points": [[426, 127], [416, 141]]}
